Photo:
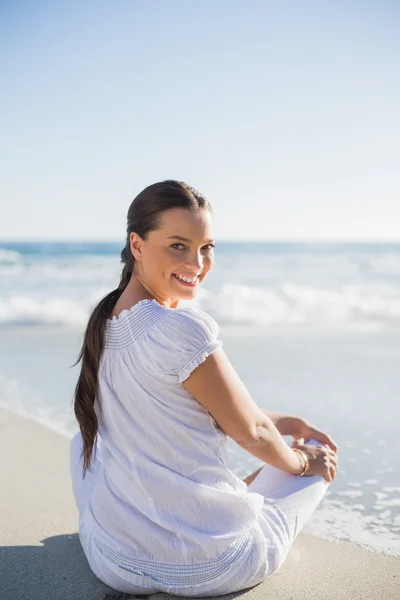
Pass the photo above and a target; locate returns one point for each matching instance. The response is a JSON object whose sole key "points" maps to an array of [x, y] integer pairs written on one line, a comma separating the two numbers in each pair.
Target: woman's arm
{"points": [[217, 386], [283, 422]]}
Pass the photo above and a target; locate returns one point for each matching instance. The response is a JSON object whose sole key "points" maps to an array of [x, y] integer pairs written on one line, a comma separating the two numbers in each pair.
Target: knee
{"points": [[313, 442]]}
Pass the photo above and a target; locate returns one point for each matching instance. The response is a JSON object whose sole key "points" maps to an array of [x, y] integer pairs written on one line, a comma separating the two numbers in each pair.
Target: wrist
{"points": [[303, 461]]}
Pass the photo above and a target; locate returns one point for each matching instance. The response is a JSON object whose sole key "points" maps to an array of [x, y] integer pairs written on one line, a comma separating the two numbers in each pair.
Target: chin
{"points": [[187, 297], [189, 294]]}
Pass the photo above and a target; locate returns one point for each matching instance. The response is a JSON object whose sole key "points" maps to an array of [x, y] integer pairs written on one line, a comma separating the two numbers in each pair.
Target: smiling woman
{"points": [[156, 399], [162, 263], [189, 279]]}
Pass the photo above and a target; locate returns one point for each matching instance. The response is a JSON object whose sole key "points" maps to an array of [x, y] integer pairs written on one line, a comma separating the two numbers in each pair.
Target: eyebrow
{"points": [[183, 239]]}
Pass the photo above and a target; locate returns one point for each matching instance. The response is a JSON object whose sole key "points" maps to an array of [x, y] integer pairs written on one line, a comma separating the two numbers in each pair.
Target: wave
{"points": [[289, 304], [18, 398], [293, 304], [269, 285], [9, 257], [28, 310], [340, 521]]}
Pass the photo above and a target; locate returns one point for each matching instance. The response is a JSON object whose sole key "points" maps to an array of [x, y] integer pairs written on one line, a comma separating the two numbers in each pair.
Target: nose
{"points": [[195, 261]]}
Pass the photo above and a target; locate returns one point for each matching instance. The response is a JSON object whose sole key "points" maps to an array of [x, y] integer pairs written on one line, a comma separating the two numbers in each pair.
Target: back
{"points": [[165, 492]]}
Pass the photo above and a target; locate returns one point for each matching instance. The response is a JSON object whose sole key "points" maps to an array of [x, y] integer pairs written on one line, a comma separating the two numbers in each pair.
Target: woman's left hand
{"points": [[300, 429]]}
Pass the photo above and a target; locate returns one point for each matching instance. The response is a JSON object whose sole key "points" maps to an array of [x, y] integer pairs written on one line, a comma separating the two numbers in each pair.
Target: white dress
{"points": [[160, 509]]}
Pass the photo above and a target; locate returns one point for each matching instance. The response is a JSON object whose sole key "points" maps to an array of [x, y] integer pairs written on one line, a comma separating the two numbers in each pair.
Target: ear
{"points": [[135, 242]]}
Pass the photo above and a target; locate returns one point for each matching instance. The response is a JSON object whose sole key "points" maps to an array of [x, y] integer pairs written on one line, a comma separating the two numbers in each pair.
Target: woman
{"points": [[159, 509]]}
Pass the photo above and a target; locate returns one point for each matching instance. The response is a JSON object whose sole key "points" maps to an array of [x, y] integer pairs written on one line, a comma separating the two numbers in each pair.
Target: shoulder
{"points": [[189, 321], [166, 342], [183, 338]]}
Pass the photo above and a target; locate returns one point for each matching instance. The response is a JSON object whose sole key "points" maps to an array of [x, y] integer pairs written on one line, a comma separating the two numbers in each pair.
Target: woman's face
{"points": [[182, 247]]}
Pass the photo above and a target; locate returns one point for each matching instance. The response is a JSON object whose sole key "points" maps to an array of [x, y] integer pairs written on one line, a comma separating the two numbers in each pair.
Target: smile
{"points": [[186, 279]]}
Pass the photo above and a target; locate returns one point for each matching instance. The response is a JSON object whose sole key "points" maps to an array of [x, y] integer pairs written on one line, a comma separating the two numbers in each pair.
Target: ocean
{"points": [[312, 329]]}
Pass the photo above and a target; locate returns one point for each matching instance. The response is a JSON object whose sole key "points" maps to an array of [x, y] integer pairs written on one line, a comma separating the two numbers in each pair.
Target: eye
{"points": [[207, 247]]}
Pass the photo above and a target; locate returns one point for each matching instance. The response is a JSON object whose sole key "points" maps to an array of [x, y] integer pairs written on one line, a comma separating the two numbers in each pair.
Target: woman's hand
{"points": [[300, 429], [322, 460]]}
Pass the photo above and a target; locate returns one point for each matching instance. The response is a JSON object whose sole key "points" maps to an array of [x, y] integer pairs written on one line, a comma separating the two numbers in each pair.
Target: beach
{"points": [[261, 200], [41, 557], [311, 330]]}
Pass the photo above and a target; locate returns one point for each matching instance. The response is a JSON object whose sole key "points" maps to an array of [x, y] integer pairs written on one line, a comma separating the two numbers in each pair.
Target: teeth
{"points": [[187, 279]]}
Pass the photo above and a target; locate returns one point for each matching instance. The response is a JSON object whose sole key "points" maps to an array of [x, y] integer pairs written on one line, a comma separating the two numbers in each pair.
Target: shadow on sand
{"points": [[57, 570]]}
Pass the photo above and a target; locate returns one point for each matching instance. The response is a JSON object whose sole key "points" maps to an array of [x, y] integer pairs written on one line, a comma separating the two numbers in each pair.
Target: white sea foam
{"points": [[230, 304], [351, 493], [43, 419], [336, 521], [19, 399], [388, 502], [319, 288], [9, 257]]}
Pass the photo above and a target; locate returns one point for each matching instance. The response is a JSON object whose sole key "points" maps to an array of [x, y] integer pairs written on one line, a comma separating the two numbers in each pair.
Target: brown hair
{"points": [[143, 216]]}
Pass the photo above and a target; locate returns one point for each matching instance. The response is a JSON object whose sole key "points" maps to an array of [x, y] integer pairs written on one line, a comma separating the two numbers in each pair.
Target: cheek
{"points": [[158, 264], [169, 261], [209, 262]]}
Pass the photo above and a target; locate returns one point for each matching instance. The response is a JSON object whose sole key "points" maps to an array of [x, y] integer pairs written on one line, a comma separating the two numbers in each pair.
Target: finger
{"points": [[329, 470], [334, 458], [324, 438], [328, 441], [329, 451], [332, 461], [326, 452]]}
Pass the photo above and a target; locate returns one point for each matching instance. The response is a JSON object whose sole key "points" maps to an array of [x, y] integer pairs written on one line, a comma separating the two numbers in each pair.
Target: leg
{"points": [[82, 487], [289, 503]]}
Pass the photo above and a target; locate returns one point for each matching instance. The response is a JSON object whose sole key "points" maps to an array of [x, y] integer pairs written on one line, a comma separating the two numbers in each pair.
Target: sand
{"points": [[41, 557]]}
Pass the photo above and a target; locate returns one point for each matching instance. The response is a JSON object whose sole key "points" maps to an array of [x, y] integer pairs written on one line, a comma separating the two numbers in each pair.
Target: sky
{"points": [[284, 115]]}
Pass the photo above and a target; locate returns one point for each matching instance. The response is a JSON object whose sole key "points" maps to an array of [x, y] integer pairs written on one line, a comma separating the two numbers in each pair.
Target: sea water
{"points": [[312, 329]]}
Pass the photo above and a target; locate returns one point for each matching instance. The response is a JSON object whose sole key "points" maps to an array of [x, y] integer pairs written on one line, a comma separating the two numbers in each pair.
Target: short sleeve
{"points": [[183, 338]]}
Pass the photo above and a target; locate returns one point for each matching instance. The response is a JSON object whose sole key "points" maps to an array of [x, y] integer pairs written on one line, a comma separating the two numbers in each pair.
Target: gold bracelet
{"points": [[306, 461], [305, 465], [302, 460]]}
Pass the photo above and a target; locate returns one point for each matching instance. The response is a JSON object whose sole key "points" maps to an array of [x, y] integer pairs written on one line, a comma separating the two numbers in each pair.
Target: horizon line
{"points": [[218, 241]]}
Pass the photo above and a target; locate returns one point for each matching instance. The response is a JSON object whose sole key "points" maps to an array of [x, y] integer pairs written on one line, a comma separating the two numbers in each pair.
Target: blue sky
{"points": [[285, 115]]}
